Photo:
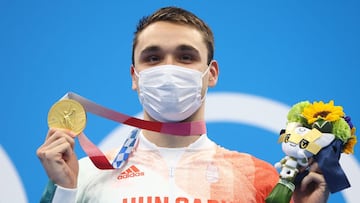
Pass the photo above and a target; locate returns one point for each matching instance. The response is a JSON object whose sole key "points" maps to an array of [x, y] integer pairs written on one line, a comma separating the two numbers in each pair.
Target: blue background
{"points": [[285, 51]]}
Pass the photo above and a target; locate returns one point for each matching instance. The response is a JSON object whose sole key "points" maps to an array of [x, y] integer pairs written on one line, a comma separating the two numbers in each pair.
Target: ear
{"points": [[213, 73], [134, 78]]}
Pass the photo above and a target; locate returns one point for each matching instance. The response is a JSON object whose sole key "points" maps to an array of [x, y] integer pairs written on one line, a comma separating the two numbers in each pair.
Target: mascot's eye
{"points": [[303, 143], [287, 137]]}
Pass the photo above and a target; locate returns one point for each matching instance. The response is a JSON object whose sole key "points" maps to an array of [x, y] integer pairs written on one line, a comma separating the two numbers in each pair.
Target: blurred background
{"points": [[272, 54]]}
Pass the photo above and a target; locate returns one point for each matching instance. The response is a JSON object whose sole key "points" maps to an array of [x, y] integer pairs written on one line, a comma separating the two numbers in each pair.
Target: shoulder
{"points": [[241, 159], [262, 174]]}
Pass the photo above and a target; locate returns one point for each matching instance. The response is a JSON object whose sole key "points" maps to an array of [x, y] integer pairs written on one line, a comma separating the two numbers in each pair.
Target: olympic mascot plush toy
{"points": [[317, 132]]}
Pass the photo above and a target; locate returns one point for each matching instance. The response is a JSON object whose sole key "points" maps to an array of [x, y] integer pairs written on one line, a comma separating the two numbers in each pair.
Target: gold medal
{"points": [[67, 114]]}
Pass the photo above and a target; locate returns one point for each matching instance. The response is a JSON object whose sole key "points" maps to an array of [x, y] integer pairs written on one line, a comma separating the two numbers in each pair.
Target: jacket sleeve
{"points": [[57, 194]]}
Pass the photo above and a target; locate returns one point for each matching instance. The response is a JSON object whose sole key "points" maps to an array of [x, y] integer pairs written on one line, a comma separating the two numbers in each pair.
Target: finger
{"points": [[311, 179], [315, 168], [57, 145], [52, 131], [52, 144], [54, 153], [64, 151], [55, 150], [55, 134]]}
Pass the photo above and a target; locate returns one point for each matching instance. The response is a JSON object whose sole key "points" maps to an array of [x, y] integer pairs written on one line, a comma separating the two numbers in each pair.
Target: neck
{"points": [[173, 141], [169, 141]]}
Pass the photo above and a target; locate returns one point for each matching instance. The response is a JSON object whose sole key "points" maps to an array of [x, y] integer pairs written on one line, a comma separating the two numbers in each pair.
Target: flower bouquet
{"points": [[317, 132]]}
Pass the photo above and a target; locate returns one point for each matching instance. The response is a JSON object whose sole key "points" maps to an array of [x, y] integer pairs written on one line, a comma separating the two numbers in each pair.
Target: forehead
{"points": [[168, 35]]}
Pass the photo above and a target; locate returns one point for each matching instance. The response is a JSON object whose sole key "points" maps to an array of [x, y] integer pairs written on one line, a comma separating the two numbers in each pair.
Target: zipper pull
{"points": [[171, 172]]}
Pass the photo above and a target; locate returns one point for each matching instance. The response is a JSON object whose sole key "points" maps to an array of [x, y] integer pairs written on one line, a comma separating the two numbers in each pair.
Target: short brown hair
{"points": [[178, 16]]}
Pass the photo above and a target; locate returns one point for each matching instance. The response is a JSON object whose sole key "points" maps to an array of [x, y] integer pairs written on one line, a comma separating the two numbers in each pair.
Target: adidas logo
{"points": [[131, 172]]}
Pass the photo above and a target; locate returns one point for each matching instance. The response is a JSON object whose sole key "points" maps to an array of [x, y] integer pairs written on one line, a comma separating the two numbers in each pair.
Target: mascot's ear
{"points": [[325, 139], [282, 131], [292, 125], [282, 136]]}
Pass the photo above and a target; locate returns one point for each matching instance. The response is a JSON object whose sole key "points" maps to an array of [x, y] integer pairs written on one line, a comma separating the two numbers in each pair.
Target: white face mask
{"points": [[170, 93]]}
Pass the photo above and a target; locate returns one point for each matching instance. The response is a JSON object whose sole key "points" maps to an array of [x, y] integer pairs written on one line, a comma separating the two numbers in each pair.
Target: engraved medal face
{"points": [[67, 114]]}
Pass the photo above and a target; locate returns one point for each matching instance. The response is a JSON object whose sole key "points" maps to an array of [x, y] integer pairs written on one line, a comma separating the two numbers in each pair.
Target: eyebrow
{"points": [[150, 49], [185, 47], [182, 47]]}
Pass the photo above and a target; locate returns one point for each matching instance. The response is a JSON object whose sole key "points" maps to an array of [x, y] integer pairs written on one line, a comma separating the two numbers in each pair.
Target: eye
{"points": [[287, 137], [152, 59], [186, 58]]}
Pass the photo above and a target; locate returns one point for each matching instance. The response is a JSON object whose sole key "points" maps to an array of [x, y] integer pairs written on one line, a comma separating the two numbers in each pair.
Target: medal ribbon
{"points": [[97, 156], [184, 129]]}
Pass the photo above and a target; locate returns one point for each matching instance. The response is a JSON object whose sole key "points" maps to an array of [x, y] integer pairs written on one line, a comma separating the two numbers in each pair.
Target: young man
{"points": [[172, 68]]}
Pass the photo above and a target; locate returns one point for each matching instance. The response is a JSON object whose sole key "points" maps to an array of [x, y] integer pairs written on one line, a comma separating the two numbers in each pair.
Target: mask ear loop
{"points": [[207, 70], [136, 73], [202, 76]]}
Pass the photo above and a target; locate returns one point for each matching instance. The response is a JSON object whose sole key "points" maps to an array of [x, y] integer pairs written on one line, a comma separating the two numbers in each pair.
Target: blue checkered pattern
{"points": [[126, 149]]}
